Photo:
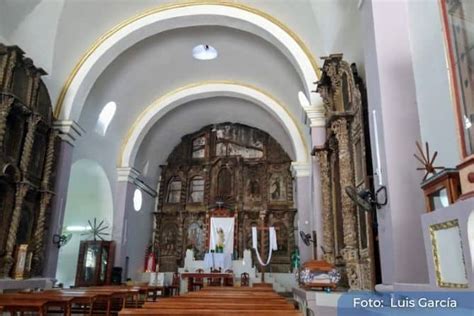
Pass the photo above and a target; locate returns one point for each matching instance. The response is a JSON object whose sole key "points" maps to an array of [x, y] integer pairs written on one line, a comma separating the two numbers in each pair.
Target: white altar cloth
{"points": [[218, 260]]}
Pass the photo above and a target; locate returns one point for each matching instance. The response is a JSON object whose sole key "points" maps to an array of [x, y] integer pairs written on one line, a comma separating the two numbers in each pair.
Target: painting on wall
{"points": [[277, 187], [196, 239]]}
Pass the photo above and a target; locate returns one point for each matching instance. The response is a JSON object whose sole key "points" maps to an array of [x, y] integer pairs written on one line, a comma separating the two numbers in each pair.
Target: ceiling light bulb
{"points": [[204, 52]]}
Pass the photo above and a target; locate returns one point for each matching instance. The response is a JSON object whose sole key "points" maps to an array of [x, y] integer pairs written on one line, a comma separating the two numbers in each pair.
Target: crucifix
{"points": [[262, 229]]}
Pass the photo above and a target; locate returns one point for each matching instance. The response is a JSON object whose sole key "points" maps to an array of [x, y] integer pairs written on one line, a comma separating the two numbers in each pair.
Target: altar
{"points": [[221, 261]]}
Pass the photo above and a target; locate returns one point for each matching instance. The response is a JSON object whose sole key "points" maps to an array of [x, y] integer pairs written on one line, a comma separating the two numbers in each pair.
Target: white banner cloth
{"points": [[273, 244], [222, 232]]}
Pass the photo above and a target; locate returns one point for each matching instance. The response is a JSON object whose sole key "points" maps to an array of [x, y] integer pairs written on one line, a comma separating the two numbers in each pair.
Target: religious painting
{"points": [[221, 149], [196, 190], [277, 187], [168, 239], [199, 147], [224, 183], [174, 191], [196, 239]]}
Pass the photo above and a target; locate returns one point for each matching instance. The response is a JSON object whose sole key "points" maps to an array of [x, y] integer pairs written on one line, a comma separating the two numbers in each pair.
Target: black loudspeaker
{"points": [[116, 275]]}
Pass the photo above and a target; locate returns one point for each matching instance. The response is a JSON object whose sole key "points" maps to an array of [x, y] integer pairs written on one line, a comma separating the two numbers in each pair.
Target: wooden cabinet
{"points": [[441, 190], [94, 266]]}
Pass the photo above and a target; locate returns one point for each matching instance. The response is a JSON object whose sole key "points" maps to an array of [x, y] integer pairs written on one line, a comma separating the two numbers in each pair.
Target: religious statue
{"points": [[221, 239], [275, 189]]}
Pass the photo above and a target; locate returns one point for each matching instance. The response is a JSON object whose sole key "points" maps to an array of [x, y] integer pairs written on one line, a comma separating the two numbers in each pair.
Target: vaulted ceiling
{"points": [[163, 62]]}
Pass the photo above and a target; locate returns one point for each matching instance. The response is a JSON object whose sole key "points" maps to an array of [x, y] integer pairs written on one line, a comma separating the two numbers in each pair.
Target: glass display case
{"points": [[95, 262], [441, 190]]}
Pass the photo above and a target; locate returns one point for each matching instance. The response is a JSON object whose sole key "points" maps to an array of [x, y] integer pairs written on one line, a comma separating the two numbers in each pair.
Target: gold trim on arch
{"points": [[157, 103], [115, 29]]}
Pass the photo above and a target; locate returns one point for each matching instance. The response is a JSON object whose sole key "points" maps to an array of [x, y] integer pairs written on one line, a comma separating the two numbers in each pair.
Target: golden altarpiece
{"points": [[27, 159], [348, 235], [229, 170]]}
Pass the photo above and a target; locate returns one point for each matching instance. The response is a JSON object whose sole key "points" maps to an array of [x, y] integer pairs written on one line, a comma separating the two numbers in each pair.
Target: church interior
{"points": [[211, 157]]}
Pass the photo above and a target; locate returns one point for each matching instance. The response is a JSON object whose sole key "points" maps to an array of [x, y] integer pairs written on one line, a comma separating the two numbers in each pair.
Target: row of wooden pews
{"points": [[85, 301], [259, 301]]}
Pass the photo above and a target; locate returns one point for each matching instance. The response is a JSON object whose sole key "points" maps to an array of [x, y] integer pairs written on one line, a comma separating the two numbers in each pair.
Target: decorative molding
{"points": [[316, 115], [68, 131], [146, 188], [124, 36], [127, 174], [300, 169]]}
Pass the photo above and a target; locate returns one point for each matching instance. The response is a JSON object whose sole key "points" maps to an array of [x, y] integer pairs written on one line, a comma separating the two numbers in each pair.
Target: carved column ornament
{"points": [[33, 121], [328, 227], [21, 191], [38, 236], [5, 107]]}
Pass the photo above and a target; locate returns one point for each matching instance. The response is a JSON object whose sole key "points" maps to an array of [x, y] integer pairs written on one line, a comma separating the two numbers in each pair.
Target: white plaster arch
{"points": [[153, 113], [132, 31]]}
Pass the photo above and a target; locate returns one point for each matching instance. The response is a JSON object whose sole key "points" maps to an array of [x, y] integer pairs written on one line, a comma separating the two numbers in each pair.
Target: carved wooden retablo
{"points": [[241, 167], [27, 159], [348, 235]]}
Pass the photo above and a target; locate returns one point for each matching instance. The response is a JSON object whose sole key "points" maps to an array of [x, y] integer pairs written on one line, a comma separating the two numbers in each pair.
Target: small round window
{"points": [[137, 200]]}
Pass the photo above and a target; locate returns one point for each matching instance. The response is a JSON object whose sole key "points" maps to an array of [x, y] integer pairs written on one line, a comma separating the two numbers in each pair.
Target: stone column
{"points": [[317, 118], [392, 94], [68, 132], [124, 190], [302, 176], [346, 178]]}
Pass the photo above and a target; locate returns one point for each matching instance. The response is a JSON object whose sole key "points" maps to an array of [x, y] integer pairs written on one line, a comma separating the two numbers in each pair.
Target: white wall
{"points": [[32, 25], [435, 107], [89, 196]]}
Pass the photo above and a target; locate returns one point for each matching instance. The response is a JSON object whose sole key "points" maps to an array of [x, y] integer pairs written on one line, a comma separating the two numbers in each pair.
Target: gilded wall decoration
{"points": [[344, 161], [223, 163]]}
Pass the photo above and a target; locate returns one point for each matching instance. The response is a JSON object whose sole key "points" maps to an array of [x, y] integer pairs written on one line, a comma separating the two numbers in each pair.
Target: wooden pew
{"points": [[209, 312], [21, 305], [215, 302], [62, 302]]}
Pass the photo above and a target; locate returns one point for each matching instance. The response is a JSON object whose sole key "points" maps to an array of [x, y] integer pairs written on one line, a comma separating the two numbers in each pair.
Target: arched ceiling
{"points": [[163, 63]]}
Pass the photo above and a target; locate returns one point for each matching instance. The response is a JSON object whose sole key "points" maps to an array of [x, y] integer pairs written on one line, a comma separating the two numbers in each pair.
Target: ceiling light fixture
{"points": [[204, 52]]}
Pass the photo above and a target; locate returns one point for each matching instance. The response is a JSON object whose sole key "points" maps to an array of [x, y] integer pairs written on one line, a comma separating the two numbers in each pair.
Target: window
{"points": [[137, 200], [196, 190], [199, 147], [174, 191], [105, 118]]}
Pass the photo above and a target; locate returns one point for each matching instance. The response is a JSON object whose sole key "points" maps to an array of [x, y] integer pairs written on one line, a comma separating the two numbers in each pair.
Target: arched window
{"points": [[174, 191], [105, 117], [196, 189]]}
